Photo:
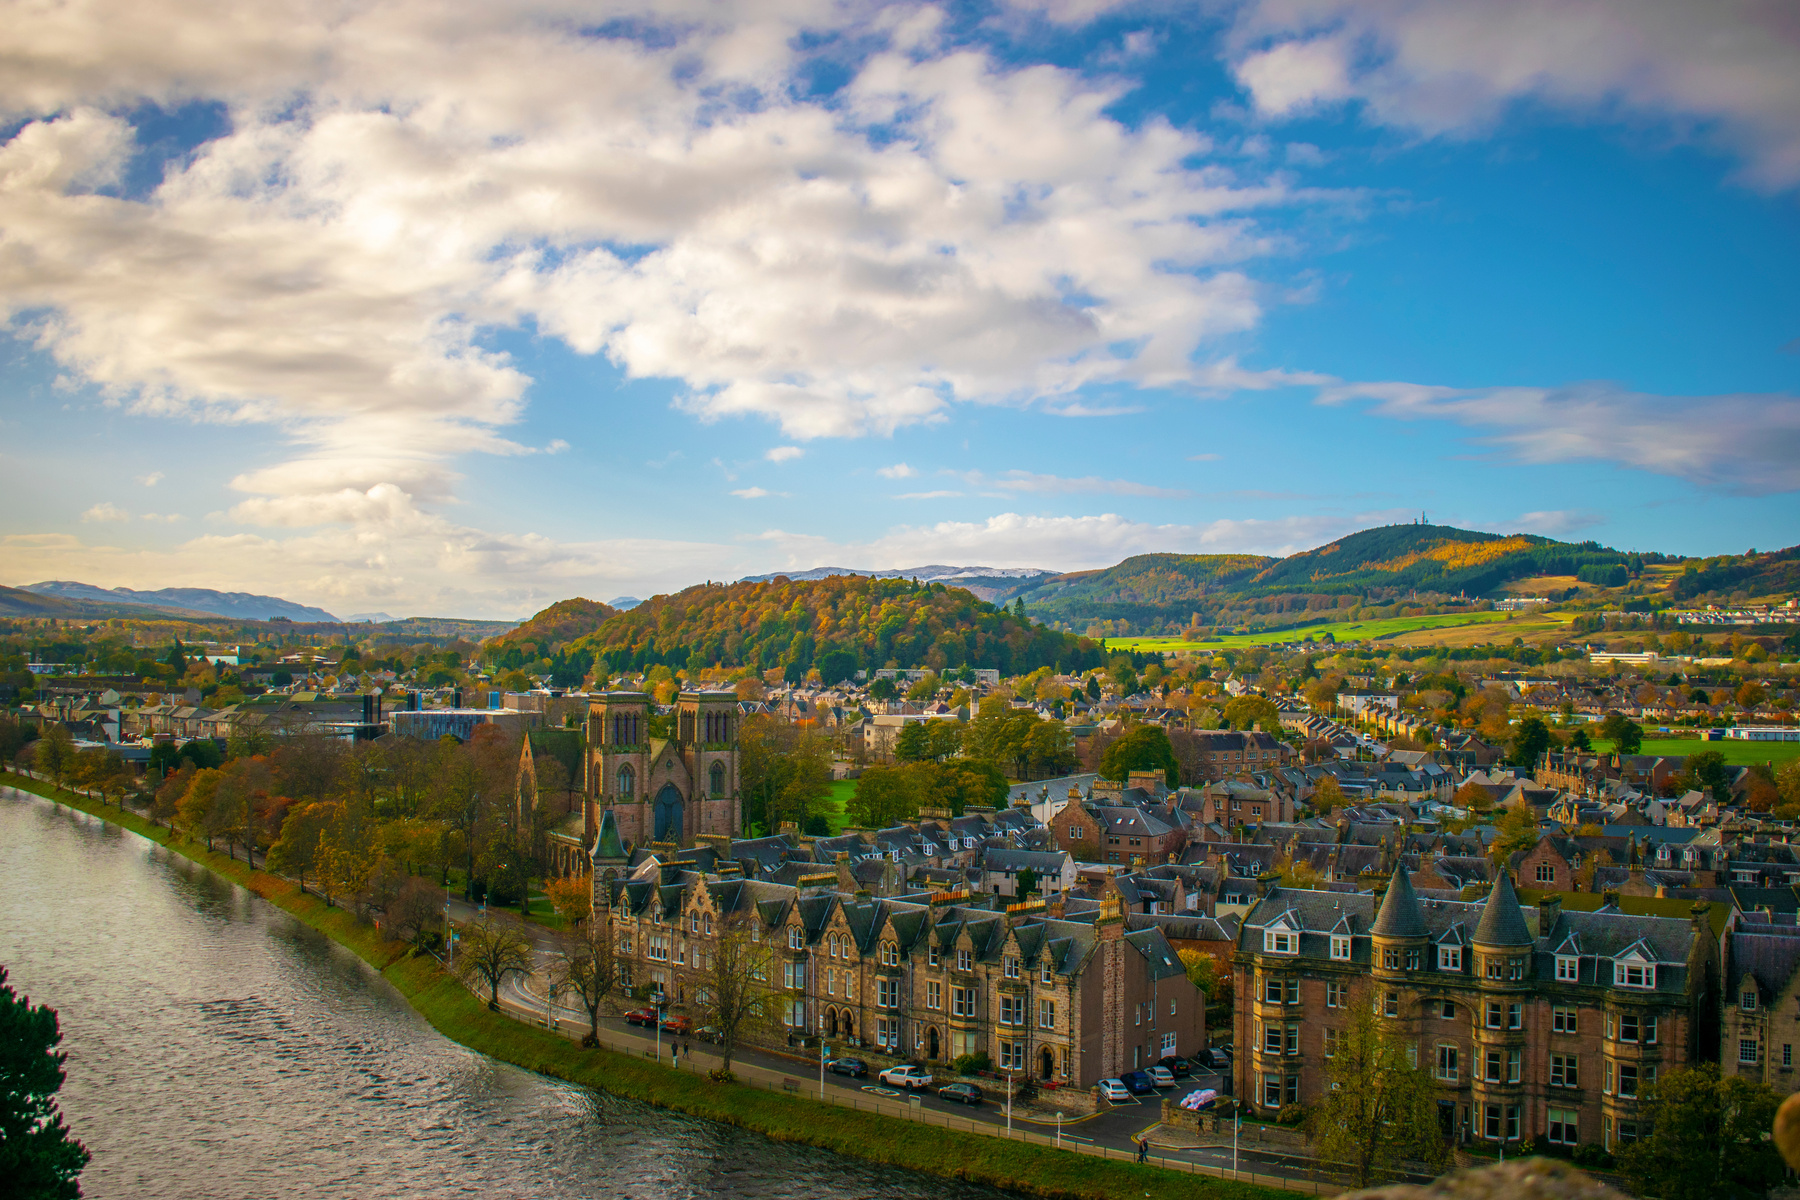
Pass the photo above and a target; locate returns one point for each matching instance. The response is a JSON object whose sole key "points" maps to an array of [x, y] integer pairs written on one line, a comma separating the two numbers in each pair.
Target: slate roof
{"points": [[1770, 957], [1400, 915], [1502, 921]]}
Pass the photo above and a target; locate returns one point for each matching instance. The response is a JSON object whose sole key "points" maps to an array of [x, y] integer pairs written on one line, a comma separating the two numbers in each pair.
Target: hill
{"points": [[1434, 558], [243, 606], [1145, 585], [24, 602], [839, 624], [987, 583], [1739, 577]]}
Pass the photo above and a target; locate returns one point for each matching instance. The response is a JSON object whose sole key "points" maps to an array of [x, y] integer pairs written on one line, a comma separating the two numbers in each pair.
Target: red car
{"points": [[679, 1026], [642, 1016]]}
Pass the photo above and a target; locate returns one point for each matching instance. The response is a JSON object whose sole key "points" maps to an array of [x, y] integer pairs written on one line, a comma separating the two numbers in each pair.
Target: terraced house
{"points": [[1070, 998], [1536, 1022]]}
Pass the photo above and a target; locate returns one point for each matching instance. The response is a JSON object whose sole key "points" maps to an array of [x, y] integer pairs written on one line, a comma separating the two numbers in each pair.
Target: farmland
{"points": [[1737, 754], [1351, 631]]}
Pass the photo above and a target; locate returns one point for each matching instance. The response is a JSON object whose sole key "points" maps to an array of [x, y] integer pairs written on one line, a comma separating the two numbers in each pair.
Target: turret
{"points": [[1399, 935]]}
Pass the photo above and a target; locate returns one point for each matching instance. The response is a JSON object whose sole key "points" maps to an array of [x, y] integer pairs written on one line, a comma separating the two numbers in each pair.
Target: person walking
{"points": [[1143, 1149]]}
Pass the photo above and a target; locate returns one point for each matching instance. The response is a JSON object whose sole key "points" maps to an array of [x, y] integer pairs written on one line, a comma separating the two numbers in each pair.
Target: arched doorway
{"points": [[668, 814], [849, 1024], [931, 1044], [831, 1022], [1046, 1064]]}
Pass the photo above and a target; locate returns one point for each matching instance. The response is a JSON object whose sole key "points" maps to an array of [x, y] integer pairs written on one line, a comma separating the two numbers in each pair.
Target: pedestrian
{"points": [[1143, 1149]]}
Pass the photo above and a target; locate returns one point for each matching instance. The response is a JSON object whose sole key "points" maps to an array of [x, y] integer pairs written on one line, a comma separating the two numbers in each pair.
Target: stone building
{"points": [[665, 789], [1222, 752], [1536, 1022], [1760, 1002], [1069, 999]]}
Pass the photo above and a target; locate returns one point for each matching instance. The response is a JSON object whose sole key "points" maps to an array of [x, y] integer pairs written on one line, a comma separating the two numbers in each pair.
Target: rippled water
{"points": [[220, 1048]]}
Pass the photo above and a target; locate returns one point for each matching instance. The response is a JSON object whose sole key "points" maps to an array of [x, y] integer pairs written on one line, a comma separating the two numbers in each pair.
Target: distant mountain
{"points": [[624, 603], [241, 606], [18, 602], [987, 583], [379, 618]]}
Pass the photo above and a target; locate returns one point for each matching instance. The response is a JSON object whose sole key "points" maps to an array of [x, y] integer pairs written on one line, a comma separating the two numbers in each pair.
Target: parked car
{"points": [[916, 1078], [1218, 1058], [965, 1093], [1178, 1066], [679, 1026], [1138, 1082], [1115, 1091], [856, 1068], [1161, 1076], [709, 1033], [642, 1016]]}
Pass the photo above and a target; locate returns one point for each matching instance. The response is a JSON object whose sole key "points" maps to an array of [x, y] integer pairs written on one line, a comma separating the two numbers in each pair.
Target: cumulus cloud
{"points": [[1745, 443], [1725, 72], [897, 471], [105, 511], [781, 454], [1555, 523], [752, 493], [152, 479]]}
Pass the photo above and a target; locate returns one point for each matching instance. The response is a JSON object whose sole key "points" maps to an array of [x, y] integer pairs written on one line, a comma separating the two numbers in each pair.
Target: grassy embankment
{"points": [[1737, 754], [934, 1150]]}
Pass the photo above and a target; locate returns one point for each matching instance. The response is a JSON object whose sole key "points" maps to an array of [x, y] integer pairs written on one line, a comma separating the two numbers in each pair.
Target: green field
{"points": [[837, 802], [1737, 754], [1348, 631]]}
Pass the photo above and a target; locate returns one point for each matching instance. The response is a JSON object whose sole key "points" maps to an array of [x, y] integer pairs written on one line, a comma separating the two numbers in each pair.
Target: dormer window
{"points": [[1568, 968], [1281, 941], [1450, 958], [1340, 947], [1747, 1001], [1634, 974]]}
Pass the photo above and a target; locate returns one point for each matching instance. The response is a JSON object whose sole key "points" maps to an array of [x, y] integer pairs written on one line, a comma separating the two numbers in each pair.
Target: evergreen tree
{"points": [[37, 1155]]}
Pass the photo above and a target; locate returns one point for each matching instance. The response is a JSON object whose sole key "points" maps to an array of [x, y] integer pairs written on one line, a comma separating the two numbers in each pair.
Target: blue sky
{"points": [[438, 309]]}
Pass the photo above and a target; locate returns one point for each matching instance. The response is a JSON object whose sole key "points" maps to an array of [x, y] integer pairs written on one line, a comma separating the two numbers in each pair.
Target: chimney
{"points": [[1549, 908]]}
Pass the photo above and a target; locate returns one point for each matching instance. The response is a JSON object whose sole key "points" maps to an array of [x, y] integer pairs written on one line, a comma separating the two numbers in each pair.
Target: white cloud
{"points": [[1556, 523], [105, 511], [781, 454], [152, 479], [1726, 72], [1744, 443], [556, 446], [897, 471], [752, 493], [1087, 485]]}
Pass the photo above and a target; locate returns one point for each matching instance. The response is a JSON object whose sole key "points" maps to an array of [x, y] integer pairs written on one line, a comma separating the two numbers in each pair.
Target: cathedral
{"points": [[665, 789]]}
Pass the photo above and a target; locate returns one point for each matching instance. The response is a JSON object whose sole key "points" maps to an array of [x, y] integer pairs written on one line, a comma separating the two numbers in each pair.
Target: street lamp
{"points": [[660, 1000]]}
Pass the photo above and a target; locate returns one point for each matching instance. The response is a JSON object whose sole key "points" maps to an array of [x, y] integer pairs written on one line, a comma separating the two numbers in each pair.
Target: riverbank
{"points": [[454, 1012]]}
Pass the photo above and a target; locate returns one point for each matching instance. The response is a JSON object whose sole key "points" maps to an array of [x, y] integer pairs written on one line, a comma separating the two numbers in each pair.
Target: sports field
{"points": [[1349, 631], [1737, 754]]}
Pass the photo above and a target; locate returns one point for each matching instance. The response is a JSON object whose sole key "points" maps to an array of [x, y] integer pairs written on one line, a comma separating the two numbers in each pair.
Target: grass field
{"points": [[839, 800], [1349, 631], [450, 1008], [1737, 754]]}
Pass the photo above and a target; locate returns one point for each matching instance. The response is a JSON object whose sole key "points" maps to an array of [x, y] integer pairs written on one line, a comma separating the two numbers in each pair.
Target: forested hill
{"points": [[840, 625], [1154, 590]]}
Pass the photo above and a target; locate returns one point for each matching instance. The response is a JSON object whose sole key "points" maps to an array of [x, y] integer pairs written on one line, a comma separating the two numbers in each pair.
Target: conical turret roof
{"points": [[1502, 921], [607, 842], [1400, 915]]}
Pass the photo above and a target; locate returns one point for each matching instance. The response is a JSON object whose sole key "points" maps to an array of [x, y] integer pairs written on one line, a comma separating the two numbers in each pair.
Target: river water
{"points": [[220, 1048]]}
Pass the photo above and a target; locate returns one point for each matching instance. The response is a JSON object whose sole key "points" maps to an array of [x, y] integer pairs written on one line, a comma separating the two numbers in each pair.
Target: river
{"points": [[220, 1048]]}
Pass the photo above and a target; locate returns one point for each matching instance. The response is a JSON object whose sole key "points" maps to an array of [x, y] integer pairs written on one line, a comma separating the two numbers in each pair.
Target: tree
{"points": [[884, 796], [1473, 797], [1247, 712], [296, 851], [1327, 795], [1518, 826], [1145, 748], [883, 689], [490, 951], [414, 914], [1626, 735], [733, 994], [1378, 1109], [55, 753], [587, 966], [572, 897], [37, 1155], [1708, 1137], [1531, 738], [1025, 884]]}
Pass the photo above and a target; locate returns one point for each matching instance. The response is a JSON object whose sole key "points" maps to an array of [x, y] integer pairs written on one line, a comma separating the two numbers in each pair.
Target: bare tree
{"points": [[414, 913], [587, 966], [490, 952], [734, 996]]}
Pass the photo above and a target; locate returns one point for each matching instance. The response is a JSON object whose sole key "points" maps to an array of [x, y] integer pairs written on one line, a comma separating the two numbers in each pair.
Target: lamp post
{"points": [[449, 934], [659, 1000]]}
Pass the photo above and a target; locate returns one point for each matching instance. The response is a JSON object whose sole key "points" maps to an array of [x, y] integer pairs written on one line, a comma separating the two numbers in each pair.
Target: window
{"points": [[890, 954], [1747, 1051], [793, 975], [1649, 1030], [962, 1002], [1491, 1066], [716, 779], [1334, 995], [1634, 975], [1390, 1005], [657, 947], [831, 981], [1167, 1045], [1512, 1122], [1628, 1080], [1628, 1132], [1787, 1054], [1628, 1027], [1546, 873], [709, 924], [693, 922], [934, 994], [1272, 1038], [1293, 1040], [1273, 989], [1567, 967], [1414, 960], [1448, 1010], [1562, 1126], [1012, 1056], [887, 1033], [796, 938], [965, 960], [1340, 947], [1075, 833], [1491, 1122], [1515, 1016], [1290, 1090], [627, 781], [796, 1014], [1271, 1091], [1562, 1071], [1009, 966], [1449, 958], [1512, 1065], [887, 993], [1747, 1001], [1012, 1010], [1333, 1038], [1046, 1014], [1281, 941], [1562, 1020], [932, 956], [1446, 1063], [1493, 1014], [1047, 974], [1607, 1086], [1390, 959]]}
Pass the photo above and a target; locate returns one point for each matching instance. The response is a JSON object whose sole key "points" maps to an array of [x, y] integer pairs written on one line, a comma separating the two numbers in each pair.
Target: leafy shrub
{"points": [[968, 1064]]}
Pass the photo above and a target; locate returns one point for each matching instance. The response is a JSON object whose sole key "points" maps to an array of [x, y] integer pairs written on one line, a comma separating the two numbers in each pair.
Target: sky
{"points": [[458, 309]]}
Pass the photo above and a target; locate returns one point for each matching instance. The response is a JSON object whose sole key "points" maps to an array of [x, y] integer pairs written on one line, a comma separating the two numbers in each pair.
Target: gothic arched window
{"points": [[717, 778], [627, 781]]}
